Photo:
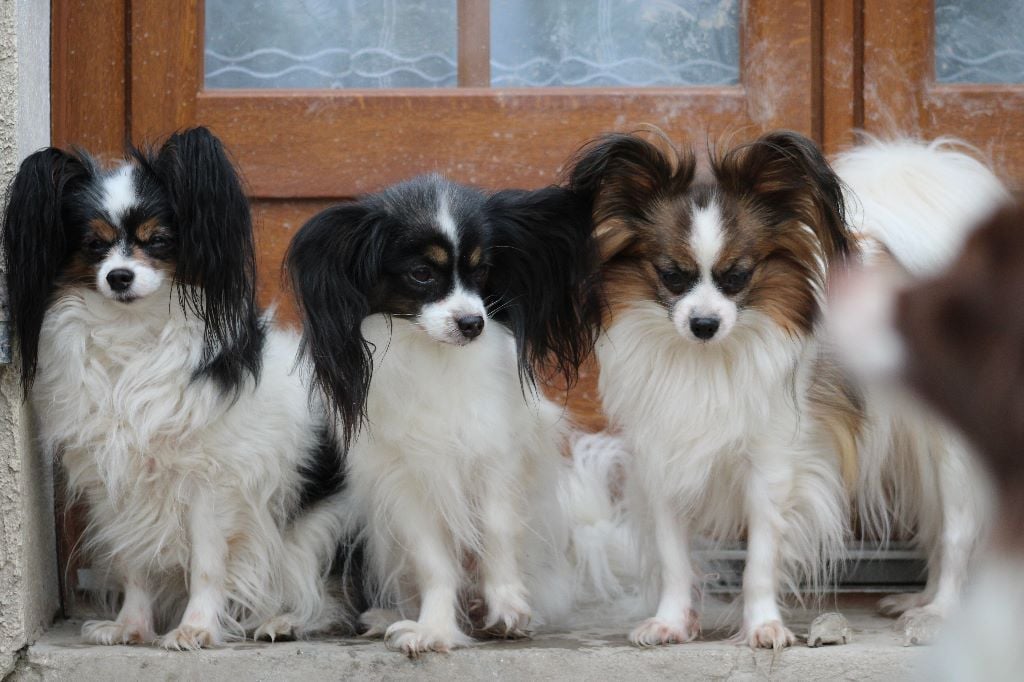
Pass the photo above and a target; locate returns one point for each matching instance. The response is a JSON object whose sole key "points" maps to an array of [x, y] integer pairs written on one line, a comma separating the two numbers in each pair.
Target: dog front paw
{"points": [[656, 631], [413, 638], [508, 614], [189, 638], [109, 632], [770, 635], [277, 628], [897, 604]]}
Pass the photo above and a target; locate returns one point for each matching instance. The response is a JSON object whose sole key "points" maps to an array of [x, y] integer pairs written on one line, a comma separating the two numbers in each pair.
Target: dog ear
{"points": [[216, 261], [543, 283], [793, 182], [36, 242], [334, 263], [623, 175]]}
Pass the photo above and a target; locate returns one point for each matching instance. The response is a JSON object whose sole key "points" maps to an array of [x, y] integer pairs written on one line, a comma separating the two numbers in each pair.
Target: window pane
{"points": [[979, 41], [614, 42], [330, 43]]}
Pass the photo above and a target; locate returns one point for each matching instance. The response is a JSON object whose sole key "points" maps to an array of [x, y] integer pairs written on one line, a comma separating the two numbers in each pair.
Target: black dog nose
{"points": [[120, 279], [703, 327], [470, 326]]}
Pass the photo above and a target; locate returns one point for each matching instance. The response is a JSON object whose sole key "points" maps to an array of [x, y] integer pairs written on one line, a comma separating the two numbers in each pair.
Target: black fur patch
{"points": [[323, 473]]}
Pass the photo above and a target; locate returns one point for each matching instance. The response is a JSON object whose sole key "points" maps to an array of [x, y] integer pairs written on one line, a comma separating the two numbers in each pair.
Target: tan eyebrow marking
{"points": [[475, 256], [147, 230], [437, 254], [103, 230]]}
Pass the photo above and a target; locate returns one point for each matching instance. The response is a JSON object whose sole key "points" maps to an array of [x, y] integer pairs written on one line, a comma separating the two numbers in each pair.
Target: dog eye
{"points": [[480, 275], [675, 280], [95, 245], [733, 281], [159, 242], [421, 275]]}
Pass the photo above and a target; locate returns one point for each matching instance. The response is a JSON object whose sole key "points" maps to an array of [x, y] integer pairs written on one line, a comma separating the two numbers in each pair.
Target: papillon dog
{"points": [[714, 272], [177, 411], [428, 308], [912, 206], [961, 334]]}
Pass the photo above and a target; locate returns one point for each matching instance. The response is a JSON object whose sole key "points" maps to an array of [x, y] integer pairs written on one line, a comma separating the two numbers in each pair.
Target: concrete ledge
{"points": [[876, 653]]}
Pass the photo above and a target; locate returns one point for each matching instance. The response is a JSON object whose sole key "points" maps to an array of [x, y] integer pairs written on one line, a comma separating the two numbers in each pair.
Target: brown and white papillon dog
{"points": [[427, 307], [176, 410], [711, 367]]}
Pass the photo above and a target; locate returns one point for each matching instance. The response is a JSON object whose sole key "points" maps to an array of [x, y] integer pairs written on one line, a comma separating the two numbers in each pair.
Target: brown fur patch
{"points": [[839, 408], [437, 254], [103, 230], [475, 256], [626, 285], [148, 230]]}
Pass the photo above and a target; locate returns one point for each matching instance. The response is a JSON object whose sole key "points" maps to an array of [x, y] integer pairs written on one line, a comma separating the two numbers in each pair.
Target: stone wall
{"points": [[28, 568]]}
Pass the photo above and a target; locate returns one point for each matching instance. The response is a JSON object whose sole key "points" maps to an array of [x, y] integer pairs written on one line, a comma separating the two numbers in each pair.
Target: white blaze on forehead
{"points": [[706, 235], [119, 193], [445, 220]]}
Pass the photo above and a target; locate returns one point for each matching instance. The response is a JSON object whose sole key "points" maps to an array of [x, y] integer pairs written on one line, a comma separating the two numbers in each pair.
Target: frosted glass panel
{"points": [[614, 42], [979, 41], [330, 43], [413, 43]]}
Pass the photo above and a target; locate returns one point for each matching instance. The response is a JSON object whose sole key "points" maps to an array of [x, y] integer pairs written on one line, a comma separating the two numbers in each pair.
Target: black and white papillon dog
{"points": [[427, 308], [177, 412]]}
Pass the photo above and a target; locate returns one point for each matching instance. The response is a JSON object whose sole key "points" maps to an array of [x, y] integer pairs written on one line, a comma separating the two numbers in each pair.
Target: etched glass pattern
{"points": [[601, 43], [413, 43], [331, 43], [979, 41]]}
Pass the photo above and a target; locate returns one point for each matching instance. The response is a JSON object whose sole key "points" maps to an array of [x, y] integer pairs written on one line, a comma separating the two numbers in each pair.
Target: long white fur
{"points": [[722, 441], [456, 462], [919, 201], [189, 490]]}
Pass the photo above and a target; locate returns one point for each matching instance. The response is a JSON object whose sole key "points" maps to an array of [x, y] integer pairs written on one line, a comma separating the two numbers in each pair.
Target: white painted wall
{"points": [[28, 567]]}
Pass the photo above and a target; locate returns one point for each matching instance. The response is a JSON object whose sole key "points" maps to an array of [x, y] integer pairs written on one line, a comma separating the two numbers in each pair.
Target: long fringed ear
{"points": [[543, 283], [334, 262], [216, 255], [623, 175], [791, 177], [36, 242]]}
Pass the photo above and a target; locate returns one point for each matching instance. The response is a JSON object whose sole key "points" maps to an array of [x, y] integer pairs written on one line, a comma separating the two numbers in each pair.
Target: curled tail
{"points": [[919, 200]]}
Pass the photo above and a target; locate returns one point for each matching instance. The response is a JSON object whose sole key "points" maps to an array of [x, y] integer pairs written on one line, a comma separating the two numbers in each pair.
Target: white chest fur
{"points": [[115, 395]]}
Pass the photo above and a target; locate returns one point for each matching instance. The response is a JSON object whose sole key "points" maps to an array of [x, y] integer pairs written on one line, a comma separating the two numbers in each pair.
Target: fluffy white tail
{"points": [[918, 199]]}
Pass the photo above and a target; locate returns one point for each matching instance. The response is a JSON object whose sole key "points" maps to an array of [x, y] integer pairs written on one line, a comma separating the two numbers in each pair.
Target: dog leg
{"points": [[201, 624], [134, 623], [762, 621], [675, 621], [508, 614], [437, 579]]}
